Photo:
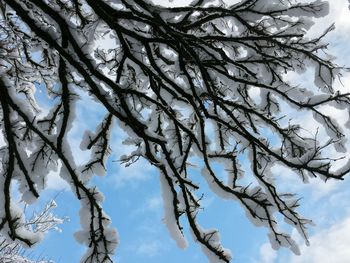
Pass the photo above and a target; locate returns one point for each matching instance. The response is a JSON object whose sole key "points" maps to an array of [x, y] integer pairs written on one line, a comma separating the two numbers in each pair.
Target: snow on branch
{"points": [[11, 251], [205, 81]]}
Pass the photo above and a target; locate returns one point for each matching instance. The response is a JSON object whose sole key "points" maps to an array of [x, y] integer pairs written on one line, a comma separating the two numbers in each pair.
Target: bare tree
{"points": [[180, 82]]}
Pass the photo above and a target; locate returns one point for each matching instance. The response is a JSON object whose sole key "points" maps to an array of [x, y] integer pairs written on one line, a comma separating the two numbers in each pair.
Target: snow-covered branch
{"points": [[206, 80], [13, 252]]}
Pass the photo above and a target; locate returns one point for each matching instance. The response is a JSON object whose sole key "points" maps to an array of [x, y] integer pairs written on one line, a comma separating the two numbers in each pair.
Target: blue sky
{"points": [[133, 198]]}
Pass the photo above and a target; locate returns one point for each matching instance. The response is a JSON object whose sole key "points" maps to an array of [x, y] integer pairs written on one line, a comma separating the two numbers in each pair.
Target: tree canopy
{"points": [[205, 83]]}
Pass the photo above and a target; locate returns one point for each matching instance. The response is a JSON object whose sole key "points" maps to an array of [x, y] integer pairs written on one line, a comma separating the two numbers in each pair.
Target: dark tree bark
{"points": [[180, 81]]}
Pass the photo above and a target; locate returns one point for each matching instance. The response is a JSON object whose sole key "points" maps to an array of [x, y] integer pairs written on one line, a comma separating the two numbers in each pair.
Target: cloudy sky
{"points": [[134, 202]]}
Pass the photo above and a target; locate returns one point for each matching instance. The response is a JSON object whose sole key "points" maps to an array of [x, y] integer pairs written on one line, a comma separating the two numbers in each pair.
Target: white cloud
{"points": [[340, 14], [288, 181], [55, 182], [152, 204], [267, 254], [328, 246], [135, 173], [149, 249], [331, 238]]}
